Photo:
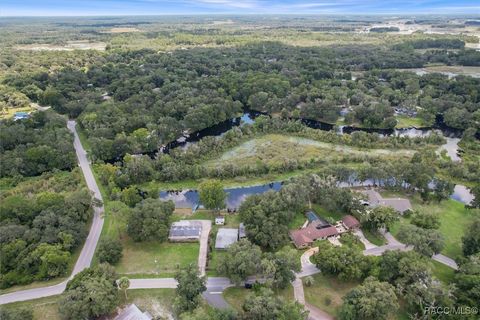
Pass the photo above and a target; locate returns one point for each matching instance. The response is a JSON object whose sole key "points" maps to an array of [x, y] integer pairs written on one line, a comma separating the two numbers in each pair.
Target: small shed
{"points": [[220, 220], [226, 237]]}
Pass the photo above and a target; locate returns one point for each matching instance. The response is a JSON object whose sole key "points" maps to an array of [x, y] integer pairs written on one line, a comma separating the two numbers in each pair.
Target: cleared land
{"points": [[276, 149], [151, 258], [326, 293], [454, 220]]}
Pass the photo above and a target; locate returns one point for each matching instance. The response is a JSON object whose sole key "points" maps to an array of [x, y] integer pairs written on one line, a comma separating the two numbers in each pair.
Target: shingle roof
{"points": [[350, 221], [311, 233]]}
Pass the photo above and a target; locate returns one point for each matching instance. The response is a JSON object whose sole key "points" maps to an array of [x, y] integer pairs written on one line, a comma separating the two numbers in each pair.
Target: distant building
{"points": [[220, 220], [225, 238], [350, 222], [185, 231], [375, 199], [241, 231], [131, 312], [21, 115]]}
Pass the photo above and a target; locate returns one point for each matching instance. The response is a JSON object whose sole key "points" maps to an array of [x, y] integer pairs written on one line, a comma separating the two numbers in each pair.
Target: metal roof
{"points": [[226, 237]]}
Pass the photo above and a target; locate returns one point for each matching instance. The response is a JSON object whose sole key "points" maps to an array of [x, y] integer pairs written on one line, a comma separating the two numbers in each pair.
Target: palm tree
{"points": [[124, 284]]}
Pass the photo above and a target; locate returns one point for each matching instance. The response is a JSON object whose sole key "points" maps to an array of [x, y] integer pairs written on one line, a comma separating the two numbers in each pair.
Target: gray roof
{"points": [[133, 313], [241, 231], [226, 237], [399, 204], [185, 228]]}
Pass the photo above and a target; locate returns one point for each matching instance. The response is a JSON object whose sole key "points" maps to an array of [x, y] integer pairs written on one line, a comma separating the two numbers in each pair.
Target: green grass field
{"points": [[409, 122], [326, 293], [236, 296], [146, 258], [44, 308], [158, 302], [454, 220], [275, 149]]}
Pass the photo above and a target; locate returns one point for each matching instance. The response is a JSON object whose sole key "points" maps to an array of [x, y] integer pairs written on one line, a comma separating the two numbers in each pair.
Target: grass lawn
{"points": [[408, 122], [163, 259], [374, 237], [298, 221], [322, 212], [236, 296], [274, 149], [442, 272], [158, 302], [147, 258], [454, 220], [44, 308], [327, 292], [213, 261]]}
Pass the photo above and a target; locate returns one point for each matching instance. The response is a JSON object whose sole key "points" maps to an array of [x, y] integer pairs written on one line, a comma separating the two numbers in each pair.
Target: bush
{"points": [[109, 250]]}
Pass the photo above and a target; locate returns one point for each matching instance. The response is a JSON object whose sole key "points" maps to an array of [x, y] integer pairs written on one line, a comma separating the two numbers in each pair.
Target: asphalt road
{"points": [[86, 255]]}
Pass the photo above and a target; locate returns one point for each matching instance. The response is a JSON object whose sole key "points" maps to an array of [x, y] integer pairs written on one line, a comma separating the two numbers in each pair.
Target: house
{"points": [[241, 231], [350, 222], [131, 312], [219, 221], [185, 231], [21, 115], [375, 199], [226, 237], [303, 238]]}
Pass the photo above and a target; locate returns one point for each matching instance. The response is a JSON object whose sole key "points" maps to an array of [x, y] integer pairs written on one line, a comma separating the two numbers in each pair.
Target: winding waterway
{"points": [[235, 196]]}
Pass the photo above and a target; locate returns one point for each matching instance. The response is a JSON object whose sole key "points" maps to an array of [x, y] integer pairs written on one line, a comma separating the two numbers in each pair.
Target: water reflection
{"points": [[235, 196]]}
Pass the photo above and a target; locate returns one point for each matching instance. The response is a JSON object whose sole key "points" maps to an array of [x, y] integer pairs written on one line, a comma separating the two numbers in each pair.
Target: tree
{"points": [[266, 217], [379, 217], [190, 287], [471, 239], [124, 284], [424, 241], [426, 220], [371, 300], [278, 267], [309, 281], [109, 250], [476, 197], [90, 294], [150, 220], [131, 196], [467, 281], [241, 260], [212, 195], [346, 262], [265, 306]]}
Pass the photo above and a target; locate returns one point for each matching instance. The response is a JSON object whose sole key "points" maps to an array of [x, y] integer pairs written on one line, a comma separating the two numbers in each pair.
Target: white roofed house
{"points": [[226, 237], [375, 199]]}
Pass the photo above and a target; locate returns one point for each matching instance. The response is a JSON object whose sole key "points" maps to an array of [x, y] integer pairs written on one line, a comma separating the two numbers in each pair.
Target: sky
{"points": [[188, 7]]}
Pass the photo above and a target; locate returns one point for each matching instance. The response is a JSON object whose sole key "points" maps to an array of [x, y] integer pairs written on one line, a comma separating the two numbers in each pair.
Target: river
{"points": [[235, 196]]}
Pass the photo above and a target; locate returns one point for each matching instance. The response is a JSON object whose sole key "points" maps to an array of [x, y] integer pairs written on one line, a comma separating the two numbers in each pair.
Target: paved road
{"points": [[86, 255]]}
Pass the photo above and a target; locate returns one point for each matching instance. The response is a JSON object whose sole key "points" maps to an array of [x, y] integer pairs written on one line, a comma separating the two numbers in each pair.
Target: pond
{"points": [[235, 196]]}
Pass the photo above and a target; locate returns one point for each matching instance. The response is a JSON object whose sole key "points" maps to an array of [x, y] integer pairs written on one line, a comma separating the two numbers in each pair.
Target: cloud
{"points": [[244, 4]]}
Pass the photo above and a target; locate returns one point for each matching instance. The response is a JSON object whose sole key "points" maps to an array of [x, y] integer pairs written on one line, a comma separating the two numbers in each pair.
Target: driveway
{"points": [[202, 254], [364, 240]]}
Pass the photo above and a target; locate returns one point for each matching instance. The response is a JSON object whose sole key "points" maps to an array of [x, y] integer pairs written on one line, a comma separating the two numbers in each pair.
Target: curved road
{"points": [[86, 255], [215, 286]]}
